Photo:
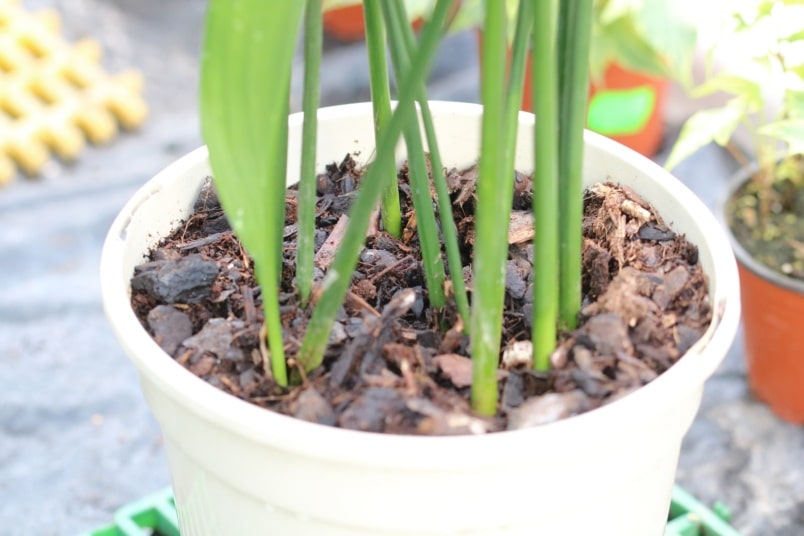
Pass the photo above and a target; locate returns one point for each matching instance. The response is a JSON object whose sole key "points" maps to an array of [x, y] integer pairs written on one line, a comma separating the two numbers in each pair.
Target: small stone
{"points": [[588, 383], [456, 368], [203, 366], [673, 284], [559, 357], [338, 334], [247, 379], [216, 225], [512, 396], [607, 333], [378, 257], [687, 336], [651, 231], [516, 279], [215, 337], [518, 353], [546, 409], [437, 421], [369, 411], [208, 197], [312, 407], [170, 327], [185, 280]]}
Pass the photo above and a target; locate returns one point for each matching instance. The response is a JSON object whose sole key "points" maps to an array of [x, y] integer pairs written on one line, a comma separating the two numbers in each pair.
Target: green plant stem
{"points": [[381, 101], [432, 261], [305, 244], [448, 228], [574, 33], [338, 278], [516, 80], [545, 183], [491, 244]]}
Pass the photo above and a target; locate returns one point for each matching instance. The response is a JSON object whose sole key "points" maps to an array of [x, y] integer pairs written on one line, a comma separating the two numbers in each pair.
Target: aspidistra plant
{"points": [[246, 70]]}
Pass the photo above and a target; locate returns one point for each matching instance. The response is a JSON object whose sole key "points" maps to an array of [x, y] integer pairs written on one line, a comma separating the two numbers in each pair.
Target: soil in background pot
{"points": [[774, 235], [395, 366]]}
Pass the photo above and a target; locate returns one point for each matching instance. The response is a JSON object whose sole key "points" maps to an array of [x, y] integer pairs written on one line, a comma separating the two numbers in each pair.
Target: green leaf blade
{"points": [[244, 108], [789, 131], [704, 127]]}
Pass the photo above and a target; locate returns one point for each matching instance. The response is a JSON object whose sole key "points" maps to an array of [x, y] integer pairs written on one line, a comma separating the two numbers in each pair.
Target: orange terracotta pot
{"points": [[773, 326], [346, 23], [626, 106]]}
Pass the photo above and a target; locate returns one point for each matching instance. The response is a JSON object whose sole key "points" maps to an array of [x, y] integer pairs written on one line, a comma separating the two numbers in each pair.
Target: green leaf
{"points": [[237, 126], [790, 131], [672, 36], [765, 8], [793, 37], [704, 127], [630, 48], [610, 10], [336, 282], [305, 215], [244, 108], [798, 70], [748, 90], [794, 104]]}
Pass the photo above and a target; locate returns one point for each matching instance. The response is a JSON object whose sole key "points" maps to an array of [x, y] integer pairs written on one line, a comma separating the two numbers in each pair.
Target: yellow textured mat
{"points": [[54, 95]]}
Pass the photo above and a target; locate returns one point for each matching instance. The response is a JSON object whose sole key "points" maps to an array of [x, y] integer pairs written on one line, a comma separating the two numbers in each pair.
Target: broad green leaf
{"points": [[245, 86], [244, 96], [748, 90], [794, 104], [631, 49], [740, 23], [671, 35], [793, 37], [704, 127], [790, 131], [798, 70], [469, 16], [609, 11], [765, 8], [600, 56]]}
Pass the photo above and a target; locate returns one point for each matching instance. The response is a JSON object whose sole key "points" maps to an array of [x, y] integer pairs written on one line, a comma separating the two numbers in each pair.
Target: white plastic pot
{"points": [[238, 469]]}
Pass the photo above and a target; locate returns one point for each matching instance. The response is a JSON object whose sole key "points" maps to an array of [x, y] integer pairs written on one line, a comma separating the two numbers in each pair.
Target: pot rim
{"points": [[444, 453], [743, 256]]}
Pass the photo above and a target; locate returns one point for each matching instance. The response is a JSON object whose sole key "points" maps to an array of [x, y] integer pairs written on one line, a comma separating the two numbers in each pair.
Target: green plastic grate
{"points": [[689, 517], [155, 515]]}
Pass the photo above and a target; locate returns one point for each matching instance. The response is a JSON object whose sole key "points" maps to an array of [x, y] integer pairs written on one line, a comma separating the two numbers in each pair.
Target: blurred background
{"points": [[76, 438]]}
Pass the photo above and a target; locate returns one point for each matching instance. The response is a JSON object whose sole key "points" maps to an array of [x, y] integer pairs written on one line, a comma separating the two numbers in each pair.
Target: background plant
{"points": [[248, 51], [770, 70]]}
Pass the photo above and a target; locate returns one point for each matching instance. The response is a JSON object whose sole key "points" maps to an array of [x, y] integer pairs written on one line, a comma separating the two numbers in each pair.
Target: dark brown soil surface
{"points": [[392, 366], [772, 234]]}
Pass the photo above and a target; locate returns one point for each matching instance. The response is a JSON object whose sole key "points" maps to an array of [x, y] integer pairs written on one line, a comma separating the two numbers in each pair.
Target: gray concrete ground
{"points": [[76, 439]]}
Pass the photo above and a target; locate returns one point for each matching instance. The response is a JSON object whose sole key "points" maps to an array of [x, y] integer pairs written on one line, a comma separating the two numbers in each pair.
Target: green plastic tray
{"points": [[155, 515], [689, 517]]}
